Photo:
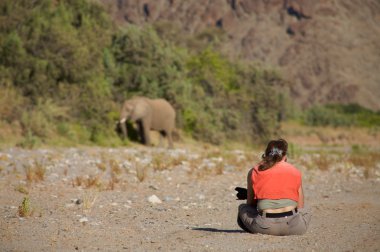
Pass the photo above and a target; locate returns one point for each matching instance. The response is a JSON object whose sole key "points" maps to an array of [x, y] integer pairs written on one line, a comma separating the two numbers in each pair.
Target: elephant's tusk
{"points": [[123, 120]]}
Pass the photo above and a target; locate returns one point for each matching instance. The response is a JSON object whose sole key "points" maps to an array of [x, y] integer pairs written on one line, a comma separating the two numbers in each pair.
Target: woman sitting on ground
{"points": [[275, 201]]}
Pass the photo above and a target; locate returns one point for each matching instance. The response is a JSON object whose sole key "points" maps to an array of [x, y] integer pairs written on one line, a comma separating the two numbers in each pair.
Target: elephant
{"points": [[149, 114]]}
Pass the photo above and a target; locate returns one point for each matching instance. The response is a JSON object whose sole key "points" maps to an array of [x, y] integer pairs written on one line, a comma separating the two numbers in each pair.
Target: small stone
{"points": [[154, 199], [168, 198], [77, 201], [83, 219], [153, 187]]}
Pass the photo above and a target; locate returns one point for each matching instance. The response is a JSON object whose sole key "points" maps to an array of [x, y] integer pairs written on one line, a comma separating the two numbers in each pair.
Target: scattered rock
{"points": [[153, 187], [154, 199], [83, 220]]}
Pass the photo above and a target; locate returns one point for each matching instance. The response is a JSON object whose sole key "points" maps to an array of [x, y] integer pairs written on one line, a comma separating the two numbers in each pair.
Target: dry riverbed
{"points": [[150, 199]]}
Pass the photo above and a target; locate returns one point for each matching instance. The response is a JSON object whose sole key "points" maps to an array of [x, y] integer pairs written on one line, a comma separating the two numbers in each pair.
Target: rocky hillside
{"points": [[328, 50]]}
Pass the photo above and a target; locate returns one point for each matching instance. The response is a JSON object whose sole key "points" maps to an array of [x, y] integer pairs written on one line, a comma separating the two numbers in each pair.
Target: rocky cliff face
{"points": [[328, 50]]}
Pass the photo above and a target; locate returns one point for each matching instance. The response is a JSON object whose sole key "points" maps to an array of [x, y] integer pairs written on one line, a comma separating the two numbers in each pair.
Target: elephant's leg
{"points": [[170, 139], [146, 128], [162, 135], [123, 126], [141, 131]]}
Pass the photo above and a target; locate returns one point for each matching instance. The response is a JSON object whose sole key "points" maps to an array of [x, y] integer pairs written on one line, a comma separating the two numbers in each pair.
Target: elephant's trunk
{"points": [[123, 126]]}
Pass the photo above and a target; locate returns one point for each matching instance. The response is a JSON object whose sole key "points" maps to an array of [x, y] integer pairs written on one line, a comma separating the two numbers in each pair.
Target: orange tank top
{"points": [[281, 181]]}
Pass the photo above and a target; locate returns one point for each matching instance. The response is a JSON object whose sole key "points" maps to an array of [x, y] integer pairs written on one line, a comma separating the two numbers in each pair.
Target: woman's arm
{"points": [[300, 197], [250, 194]]}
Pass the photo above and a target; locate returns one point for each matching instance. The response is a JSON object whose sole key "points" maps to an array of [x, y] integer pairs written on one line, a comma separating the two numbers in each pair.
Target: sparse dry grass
{"points": [[298, 134], [322, 162], [369, 159], [240, 160], [115, 172], [366, 161], [35, 172], [177, 160], [21, 189], [89, 199], [203, 167], [159, 163], [77, 181], [140, 172], [115, 167], [89, 182], [112, 182], [194, 164], [214, 162], [101, 166], [95, 181], [4, 157], [219, 168]]}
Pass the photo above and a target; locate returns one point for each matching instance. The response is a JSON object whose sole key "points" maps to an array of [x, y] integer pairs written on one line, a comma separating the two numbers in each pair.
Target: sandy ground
{"points": [[92, 199]]}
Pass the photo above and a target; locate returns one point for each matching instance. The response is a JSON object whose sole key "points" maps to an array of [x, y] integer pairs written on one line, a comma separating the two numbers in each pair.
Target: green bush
{"points": [[146, 65], [11, 103], [40, 119], [51, 55], [66, 69], [362, 117], [341, 115], [324, 116]]}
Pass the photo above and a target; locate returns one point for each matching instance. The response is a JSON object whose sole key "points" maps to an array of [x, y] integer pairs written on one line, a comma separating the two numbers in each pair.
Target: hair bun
{"points": [[275, 151]]}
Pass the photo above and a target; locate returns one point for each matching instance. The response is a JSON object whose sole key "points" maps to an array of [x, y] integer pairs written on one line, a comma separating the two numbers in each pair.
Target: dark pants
{"points": [[250, 221]]}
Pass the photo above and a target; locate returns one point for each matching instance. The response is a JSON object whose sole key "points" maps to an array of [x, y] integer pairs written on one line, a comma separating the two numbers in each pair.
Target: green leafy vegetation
{"points": [[65, 69], [25, 209], [341, 115], [51, 67]]}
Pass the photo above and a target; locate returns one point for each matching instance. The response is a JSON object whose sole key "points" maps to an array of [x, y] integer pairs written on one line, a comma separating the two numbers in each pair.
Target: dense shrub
{"points": [[65, 69], [51, 52], [11, 103], [145, 65], [341, 115], [323, 116]]}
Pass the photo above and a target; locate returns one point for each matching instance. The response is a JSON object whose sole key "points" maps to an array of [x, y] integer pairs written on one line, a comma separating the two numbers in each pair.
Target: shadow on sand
{"points": [[214, 230]]}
